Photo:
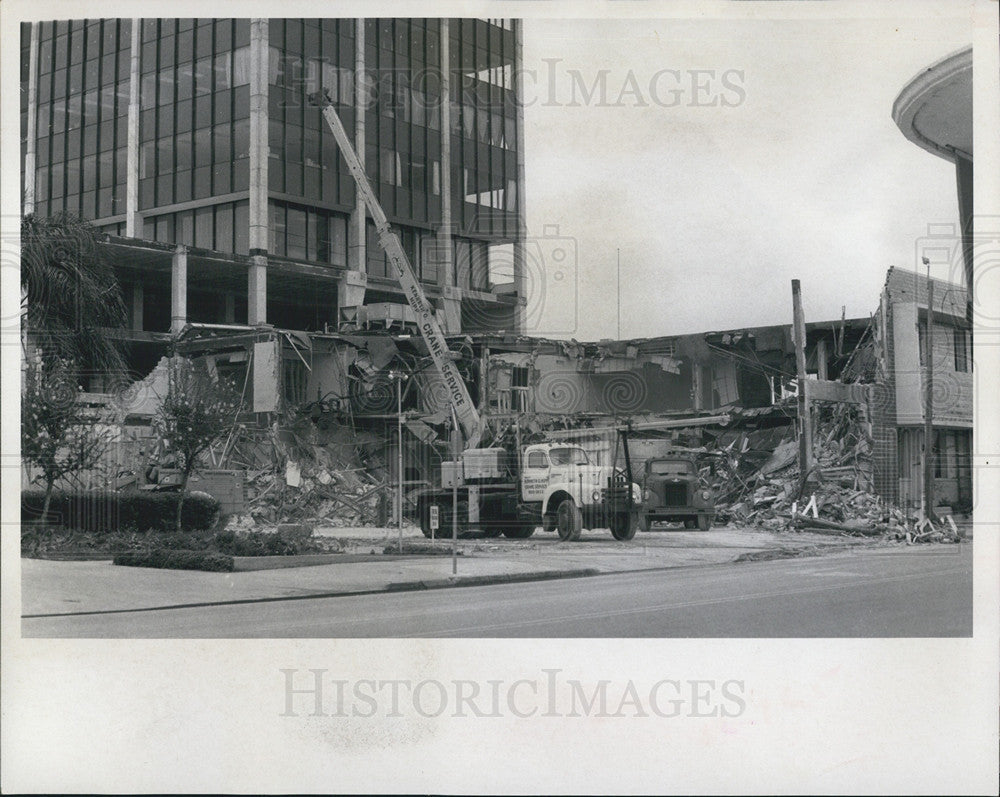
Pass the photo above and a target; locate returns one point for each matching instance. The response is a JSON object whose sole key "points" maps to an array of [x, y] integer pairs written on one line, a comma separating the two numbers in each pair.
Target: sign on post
{"points": [[435, 517]]}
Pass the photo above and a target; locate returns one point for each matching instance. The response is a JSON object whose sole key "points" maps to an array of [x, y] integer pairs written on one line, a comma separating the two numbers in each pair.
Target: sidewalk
{"points": [[60, 587]]}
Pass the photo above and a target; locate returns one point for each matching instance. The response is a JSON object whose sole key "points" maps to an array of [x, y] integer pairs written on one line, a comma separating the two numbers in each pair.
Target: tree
{"points": [[70, 295], [57, 435], [197, 411]]}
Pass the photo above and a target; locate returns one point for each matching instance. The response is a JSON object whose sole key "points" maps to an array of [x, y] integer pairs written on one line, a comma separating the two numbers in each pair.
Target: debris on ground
{"points": [[756, 480]]}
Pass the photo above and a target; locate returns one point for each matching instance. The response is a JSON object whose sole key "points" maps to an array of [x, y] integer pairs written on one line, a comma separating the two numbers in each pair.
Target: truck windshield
{"points": [[568, 456], [672, 467]]}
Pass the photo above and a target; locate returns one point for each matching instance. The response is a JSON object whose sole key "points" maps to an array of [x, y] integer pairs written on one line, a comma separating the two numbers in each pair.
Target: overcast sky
{"points": [[796, 171]]}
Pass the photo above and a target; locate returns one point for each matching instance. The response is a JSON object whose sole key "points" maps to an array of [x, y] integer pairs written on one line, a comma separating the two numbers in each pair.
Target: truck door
{"points": [[535, 476]]}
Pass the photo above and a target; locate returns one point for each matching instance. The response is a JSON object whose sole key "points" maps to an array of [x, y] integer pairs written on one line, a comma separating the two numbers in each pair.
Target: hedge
{"points": [[176, 560], [132, 510]]}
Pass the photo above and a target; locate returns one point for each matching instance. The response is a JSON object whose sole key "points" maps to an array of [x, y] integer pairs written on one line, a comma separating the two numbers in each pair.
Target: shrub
{"points": [[106, 511], [259, 543], [177, 560]]}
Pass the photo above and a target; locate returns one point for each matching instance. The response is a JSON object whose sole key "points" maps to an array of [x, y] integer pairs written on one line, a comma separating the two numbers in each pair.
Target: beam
{"points": [[805, 421]]}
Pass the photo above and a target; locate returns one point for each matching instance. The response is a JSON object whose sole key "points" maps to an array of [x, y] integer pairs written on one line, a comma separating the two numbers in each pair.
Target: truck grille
{"points": [[675, 495]]}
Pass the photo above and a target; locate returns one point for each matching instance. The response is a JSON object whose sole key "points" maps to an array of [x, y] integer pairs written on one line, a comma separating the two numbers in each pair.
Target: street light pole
{"points": [[456, 454], [399, 456], [929, 402]]}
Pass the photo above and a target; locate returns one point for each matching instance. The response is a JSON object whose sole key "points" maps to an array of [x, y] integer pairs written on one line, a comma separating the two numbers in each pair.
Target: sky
{"points": [[778, 160]]}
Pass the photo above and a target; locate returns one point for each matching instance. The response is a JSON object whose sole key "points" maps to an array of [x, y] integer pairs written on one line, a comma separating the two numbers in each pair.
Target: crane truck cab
{"points": [[573, 494]]}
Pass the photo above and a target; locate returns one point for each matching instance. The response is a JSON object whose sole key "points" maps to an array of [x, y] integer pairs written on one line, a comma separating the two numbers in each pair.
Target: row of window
{"points": [[199, 183], [959, 346], [225, 70], [81, 40], [82, 124], [307, 234], [486, 136], [190, 149], [224, 227], [166, 42]]}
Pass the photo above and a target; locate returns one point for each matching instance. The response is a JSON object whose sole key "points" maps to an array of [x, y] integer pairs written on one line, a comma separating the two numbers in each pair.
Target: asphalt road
{"points": [[914, 592]]}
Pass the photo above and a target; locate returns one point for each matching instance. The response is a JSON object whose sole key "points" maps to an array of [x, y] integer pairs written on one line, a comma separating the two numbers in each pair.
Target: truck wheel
{"points": [[623, 525], [704, 522], [518, 532], [549, 522], [643, 522], [569, 521]]}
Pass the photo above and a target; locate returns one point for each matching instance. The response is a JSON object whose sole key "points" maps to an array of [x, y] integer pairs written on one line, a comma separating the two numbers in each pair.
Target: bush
{"points": [[258, 543], [106, 511], [177, 560]]}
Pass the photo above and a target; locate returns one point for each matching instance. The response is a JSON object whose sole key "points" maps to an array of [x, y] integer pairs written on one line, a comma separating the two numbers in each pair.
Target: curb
{"points": [[502, 578], [406, 586]]}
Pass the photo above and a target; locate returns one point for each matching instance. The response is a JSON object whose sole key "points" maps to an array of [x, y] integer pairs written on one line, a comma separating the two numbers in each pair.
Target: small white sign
{"points": [[435, 517]]}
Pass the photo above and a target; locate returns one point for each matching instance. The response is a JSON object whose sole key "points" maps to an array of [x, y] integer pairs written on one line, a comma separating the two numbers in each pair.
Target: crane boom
{"points": [[458, 394]]}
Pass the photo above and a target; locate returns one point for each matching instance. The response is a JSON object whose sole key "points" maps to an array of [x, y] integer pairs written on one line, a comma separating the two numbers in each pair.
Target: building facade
{"points": [[897, 356], [193, 145]]}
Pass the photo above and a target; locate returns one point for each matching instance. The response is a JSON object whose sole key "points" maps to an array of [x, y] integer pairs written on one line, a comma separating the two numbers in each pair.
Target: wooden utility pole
{"points": [[929, 404], [805, 420]]}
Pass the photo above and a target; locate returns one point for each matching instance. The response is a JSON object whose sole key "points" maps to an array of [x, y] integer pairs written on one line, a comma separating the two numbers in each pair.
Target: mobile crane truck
{"points": [[553, 485]]}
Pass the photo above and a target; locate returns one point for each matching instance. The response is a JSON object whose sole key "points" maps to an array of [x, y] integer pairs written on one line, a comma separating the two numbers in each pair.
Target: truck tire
{"points": [[623, 525], [643, 522], [518, 532], [704, 522], [569, 521]]}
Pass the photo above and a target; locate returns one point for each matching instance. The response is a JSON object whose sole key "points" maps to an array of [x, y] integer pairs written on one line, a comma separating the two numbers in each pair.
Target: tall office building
{"points": [[192, 143]]}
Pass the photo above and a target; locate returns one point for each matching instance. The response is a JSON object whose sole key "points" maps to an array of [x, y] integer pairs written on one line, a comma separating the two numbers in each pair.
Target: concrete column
{"points": [[821, 358], [133, 220], [451, 296], [446, 256], [520, 244], [258, 137], [138, 294], [178, 289], [257, 291], [351, 287], [29, 152], [351, 290], [697, 388], [356, 254], [229, 308]]}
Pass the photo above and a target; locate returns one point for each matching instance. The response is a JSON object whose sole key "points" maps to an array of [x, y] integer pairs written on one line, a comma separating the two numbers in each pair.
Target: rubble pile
{"points": [[325, 473], [756, 480]]}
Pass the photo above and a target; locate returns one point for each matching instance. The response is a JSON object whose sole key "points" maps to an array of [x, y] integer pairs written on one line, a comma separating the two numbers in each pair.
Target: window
{"points": [[537, 459], [241, 66], [961, 337], [519, 388], [569, 456]]}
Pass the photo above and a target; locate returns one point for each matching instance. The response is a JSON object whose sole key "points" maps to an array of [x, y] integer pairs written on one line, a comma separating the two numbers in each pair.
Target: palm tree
{"points": [[70, 294]]}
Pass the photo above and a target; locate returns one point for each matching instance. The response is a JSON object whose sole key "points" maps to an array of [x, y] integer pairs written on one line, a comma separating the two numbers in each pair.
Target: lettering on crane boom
{"points": [[438, 347]]}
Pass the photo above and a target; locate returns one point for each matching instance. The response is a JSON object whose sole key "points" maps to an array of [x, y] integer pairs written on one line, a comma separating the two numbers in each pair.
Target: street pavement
{"points": [[921, 591], [61, 587]]}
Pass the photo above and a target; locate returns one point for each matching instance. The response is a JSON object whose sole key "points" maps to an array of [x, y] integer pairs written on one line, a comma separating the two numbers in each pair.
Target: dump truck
{"points": [[552, 485], [672, 492]]}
